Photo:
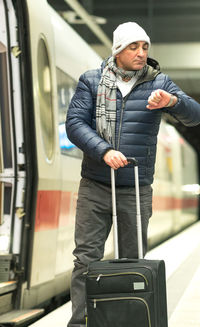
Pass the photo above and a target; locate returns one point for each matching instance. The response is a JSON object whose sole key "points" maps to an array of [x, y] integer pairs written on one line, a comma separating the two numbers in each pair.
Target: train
{"points": [[41, 59]]}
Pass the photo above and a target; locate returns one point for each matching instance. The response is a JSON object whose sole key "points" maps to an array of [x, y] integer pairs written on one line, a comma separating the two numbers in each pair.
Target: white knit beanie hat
{"points": [[126, 34]]}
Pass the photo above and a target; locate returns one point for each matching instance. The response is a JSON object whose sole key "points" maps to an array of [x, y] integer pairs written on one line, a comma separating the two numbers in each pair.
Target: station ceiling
{"points": [[165, 21]]}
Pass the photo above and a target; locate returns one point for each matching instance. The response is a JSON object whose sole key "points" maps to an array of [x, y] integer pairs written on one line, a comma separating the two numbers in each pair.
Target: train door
{"points": [[16, 167], [12, 166], [11, 158], [12, 174]]}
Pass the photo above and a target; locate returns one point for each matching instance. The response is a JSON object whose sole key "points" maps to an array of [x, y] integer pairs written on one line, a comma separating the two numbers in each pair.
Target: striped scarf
{"points": [[106, 98]]}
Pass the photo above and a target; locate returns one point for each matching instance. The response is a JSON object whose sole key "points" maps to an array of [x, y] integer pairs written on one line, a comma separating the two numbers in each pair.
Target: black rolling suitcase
{"points": [[126, 292]]}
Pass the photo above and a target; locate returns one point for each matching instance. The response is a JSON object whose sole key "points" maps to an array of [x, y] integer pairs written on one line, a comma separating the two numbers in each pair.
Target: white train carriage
{"points": [[175, 187], [41, 59], [40, 65]]}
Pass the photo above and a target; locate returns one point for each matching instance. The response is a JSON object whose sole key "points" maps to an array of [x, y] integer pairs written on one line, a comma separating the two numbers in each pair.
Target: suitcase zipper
{"points": [[124, 298], [119, 274]]}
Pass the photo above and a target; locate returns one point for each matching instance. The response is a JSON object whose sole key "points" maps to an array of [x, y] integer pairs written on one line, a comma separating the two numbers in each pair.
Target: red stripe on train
{"points": [[56, 208], [53, 209], [170, 203]]}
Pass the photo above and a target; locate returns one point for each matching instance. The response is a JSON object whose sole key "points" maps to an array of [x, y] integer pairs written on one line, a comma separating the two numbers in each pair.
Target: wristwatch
{"points": [[170, 101]]}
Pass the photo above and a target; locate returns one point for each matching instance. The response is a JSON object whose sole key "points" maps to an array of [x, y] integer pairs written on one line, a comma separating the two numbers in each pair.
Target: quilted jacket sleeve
{"points": [[79, 122], [186, 110]]}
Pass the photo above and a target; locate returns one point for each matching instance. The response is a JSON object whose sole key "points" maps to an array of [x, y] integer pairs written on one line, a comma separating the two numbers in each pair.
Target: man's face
{"points": [[134, 56]]}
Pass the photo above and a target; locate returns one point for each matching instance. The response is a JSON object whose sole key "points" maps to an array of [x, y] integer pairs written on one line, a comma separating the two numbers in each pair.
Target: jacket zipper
{"points": [[119, 274], [95, 301], [122, 111], [123, 105], [120, 124]]}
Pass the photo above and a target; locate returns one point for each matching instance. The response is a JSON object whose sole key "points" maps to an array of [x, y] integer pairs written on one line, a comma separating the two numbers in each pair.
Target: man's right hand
{"points": [[115, 159]]}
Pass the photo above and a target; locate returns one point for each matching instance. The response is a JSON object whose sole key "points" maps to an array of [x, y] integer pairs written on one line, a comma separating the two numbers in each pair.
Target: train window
{"points": [[5, 221], [45, 99], [164, 160], [65, 90], [1, 203], [5, 129]]}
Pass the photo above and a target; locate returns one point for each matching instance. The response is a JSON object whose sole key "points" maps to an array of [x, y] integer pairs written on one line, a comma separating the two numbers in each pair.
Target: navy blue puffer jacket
{"points": [[136, 128]]}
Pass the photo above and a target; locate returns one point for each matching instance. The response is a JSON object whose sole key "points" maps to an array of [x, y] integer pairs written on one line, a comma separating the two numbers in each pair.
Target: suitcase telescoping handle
{"points": [[134, 162]]}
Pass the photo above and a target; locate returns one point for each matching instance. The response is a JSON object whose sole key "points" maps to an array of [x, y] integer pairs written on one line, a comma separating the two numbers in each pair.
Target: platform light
{"points": [[192, 188], [72, 18]]}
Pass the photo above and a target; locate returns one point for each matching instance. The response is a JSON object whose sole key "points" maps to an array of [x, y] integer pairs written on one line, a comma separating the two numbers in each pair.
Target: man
{"points": [[115, 113]]}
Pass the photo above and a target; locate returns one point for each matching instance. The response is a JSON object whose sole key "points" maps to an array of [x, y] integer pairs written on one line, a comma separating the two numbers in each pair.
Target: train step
{"points": [[6, 296], [20, 317], [8, 286]]}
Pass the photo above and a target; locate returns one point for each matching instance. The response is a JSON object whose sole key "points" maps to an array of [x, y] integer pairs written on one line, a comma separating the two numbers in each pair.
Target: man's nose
{"points": [[141, 52]]}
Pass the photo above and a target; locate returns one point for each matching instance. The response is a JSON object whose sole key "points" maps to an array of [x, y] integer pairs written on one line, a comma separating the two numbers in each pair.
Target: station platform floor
{"points": [[182, 258]]}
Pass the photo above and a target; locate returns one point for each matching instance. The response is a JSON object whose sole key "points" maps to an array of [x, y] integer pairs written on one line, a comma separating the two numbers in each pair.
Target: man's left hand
{"points": [[160, 99]]}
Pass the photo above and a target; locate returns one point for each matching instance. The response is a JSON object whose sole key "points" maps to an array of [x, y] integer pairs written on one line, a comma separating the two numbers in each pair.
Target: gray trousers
{"points": [[93, 224]]}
